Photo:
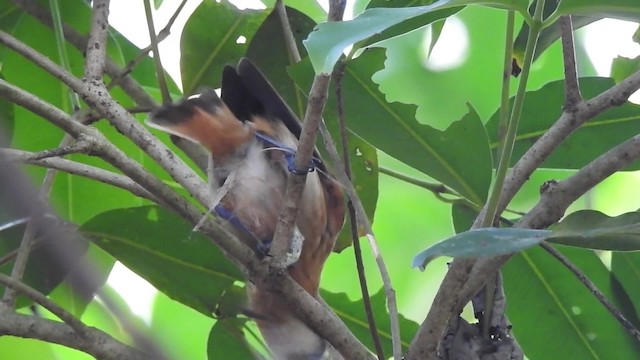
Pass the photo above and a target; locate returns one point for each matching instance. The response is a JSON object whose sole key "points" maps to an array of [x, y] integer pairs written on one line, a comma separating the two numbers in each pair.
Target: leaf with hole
{"points": [[459, 156]]}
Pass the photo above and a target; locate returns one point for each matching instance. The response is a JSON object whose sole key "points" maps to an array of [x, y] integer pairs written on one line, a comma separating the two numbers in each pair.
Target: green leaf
{"points": [[543, 294], [622, 67], [482, 242], [463, 216], [594, 230], [330, 39], [354, 316], [410, 24], [212, 38], [269, 52], [543, 107], [227, 340], [161, 248], [458, 156], [312, 9], [157, 4], [626, 269], [619, 9]]}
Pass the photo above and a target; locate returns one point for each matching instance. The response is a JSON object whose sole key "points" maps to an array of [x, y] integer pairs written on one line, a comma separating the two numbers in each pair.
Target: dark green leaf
{"points": [[269, 53], [211, 39], [326, 44], [458, 156], [595, 230], [228, 341], [543, 107], [353, 315], [554, 316], [463, 216], [312, 9], [482, 242], [623, 67], [626, 269], [160, 247]]}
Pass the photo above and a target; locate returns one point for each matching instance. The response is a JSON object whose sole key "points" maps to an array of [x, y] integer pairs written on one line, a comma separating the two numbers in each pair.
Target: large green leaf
{"points": [[353, 315], [160, 247], [543, 107], [555, 317], [595, 230], [269, 52], [458, 156], [626, 269], [619, 9], [326, 44], [212, 38], [482, 242]]}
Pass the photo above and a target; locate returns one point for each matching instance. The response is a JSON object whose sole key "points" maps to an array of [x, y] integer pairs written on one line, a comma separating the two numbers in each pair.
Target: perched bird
{"points": [[252, 136]]}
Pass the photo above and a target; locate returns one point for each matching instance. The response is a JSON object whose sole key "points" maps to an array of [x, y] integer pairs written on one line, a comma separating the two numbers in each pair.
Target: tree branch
{"points": [[572, 96], [76, 168]]}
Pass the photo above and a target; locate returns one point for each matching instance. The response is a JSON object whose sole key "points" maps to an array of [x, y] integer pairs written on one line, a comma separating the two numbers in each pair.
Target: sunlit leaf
{"points": [[161, 248], [328, 41], [482, 242], [595, 230], [410, 24]]}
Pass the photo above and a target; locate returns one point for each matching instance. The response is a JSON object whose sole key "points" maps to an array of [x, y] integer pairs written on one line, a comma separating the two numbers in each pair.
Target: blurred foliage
{"points": [[402, 114]]}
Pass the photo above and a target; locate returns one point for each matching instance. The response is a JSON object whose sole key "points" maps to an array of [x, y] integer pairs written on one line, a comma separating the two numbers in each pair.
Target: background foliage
{"points": [[434, 125]]}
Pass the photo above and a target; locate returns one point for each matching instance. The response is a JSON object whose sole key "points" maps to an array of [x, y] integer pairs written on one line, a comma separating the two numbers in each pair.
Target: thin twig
{"points": [[353, 220], [584, 279], [76, 168], [162, 81], [163, 34], [289, 40], [433, 187], [45, 302], [572, 96]]}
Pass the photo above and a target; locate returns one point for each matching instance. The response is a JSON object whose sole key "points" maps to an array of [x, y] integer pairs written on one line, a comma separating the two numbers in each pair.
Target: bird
{"points": [[252, 135]]}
